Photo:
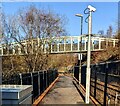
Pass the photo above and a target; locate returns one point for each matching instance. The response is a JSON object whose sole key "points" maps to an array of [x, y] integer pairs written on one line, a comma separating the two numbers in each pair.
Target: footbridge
{"points": [[63, 44]]}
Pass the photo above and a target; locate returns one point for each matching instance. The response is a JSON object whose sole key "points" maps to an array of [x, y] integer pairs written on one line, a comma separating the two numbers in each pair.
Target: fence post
{"points": [[116, 98], [20, 78], [38, 82], [31, 78], [78, 69], [43, 82], [46, 79], [105, 86], [95, 80], [74, 71]]}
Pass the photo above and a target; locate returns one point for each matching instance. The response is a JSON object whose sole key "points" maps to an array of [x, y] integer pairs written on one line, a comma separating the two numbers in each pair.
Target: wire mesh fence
{"points": [[40, 80]]}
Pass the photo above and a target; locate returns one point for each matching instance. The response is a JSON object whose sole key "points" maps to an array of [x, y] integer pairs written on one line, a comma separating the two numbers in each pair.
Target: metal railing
{"points": [[63, 44], [39, 80], [105, 81]]}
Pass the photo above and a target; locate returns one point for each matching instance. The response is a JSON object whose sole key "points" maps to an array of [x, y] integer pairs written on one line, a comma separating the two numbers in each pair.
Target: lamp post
{"points": [[80, 15], [88, 70], [79, 55]]}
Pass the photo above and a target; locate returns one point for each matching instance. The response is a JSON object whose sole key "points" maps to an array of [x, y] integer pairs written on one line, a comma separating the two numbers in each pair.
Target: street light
{"points": [[91, 9], [80, 15], [79, 55]]}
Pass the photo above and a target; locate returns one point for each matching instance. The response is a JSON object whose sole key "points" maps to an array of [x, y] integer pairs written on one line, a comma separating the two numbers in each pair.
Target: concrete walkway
{"points": [[63, 92]]}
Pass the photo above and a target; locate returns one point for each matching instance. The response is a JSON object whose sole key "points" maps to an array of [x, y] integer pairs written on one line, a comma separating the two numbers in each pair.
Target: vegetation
{"points": [[37, 24], [29, 24], [111, 53]]}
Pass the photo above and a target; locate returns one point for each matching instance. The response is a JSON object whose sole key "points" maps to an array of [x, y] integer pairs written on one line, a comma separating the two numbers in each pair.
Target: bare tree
{"points": [[36, 28], [101, 32], [109, 31]]}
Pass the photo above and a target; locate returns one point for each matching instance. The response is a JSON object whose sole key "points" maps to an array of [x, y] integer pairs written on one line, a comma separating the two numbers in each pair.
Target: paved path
{"points": [[63, 92]]}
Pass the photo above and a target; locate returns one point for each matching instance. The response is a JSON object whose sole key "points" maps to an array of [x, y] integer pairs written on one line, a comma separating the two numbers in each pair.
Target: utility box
{"points": [[16, 94]]}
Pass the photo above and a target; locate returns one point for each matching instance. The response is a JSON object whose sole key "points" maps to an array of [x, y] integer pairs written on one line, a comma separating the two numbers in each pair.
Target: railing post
{"points": [[43, 82], [39, 82], [95, 80], [93, 44], [64, 45], [46, 79], [99, 43], [105, 86], [19, 49], [58, 47], [51, 47], [113, 43], [31, 78], [85, 44], [20, 78], [106, 42], [71, 41]]}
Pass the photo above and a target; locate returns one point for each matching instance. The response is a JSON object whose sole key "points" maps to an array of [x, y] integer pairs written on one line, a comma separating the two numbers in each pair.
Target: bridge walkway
{"points": [[63, 92]]}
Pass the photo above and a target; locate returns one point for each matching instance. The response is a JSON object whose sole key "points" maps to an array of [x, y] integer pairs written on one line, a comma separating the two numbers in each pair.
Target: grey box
{"points": [[16, 94]]}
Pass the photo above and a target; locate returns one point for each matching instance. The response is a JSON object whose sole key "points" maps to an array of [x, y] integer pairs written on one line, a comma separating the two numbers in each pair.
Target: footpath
{"points": [[63, 92]]}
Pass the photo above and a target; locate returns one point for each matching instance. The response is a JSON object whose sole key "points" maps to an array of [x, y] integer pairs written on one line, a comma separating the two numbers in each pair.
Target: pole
{"points": [[88, 59], [0, 79], [105, 85], [81, 24], [80, 50], [80, 61], [20, 78]]}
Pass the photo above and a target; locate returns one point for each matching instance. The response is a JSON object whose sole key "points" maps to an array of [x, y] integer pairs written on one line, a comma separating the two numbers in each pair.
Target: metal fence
{"points": [[40, 80], [105, 81], [76, 70]]}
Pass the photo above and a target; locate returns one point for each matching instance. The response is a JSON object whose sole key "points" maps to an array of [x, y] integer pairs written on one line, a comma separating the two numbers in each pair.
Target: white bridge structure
{"points": [[63, 44]]}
